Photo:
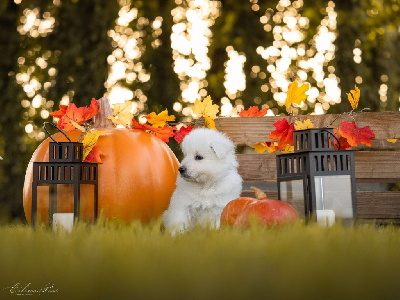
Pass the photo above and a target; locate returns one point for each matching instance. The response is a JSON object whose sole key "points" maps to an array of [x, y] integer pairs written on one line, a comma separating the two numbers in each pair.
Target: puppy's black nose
{"points": [[182, 169]]}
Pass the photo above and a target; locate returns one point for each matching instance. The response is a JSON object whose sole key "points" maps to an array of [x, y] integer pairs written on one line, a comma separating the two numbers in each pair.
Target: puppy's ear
{"points": [[222, 148]]}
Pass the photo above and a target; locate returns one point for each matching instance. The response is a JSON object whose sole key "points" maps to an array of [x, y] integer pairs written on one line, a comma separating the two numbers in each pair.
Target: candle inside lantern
{"points": [[325, 218], [63, 220]]}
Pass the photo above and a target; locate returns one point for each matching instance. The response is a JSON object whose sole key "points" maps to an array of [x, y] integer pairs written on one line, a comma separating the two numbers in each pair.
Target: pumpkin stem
{"points": [[259, 193], [101, 119]]}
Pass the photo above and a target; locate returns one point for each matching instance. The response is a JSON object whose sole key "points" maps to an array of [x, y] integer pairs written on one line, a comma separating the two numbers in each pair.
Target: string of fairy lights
{"points": [[292, 54]]}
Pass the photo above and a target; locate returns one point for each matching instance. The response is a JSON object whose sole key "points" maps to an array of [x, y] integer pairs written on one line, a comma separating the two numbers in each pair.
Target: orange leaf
{"points": [[164, 133], [283, 133], [182, 132], [95, 155], [137, 125], [356, 135], [78, 114], [253, 111], [342, 140], [59, 113]]}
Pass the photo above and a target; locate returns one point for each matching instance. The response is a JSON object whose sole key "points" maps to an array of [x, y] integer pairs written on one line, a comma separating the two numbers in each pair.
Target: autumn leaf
{"points": [[265, 146], [307, 124], [59, 113], [92, 110], [253, 111], [340, 140], [95, 155], [296, 94], [209, 122], [354, 97], [77, 126], [164, 133], [182, 132], [137, 125], [393, 141], [90, 140], [205, 108], [288, 149], [159, 120], [356, 135], [79, 115], [283, 133], [122, 114]]}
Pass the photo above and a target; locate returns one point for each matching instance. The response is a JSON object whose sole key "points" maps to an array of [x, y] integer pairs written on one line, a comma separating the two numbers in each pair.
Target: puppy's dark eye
{"points": [[198, 157]]}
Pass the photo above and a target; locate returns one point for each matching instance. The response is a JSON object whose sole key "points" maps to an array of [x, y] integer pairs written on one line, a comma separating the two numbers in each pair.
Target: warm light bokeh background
{"points": [[165, 54]]}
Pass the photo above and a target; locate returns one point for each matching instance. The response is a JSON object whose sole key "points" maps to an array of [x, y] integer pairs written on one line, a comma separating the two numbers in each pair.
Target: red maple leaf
{"points": [[79, 115], [95, 155], [342, 140], [253, 112], [182, 132], [137, 125], [164, 133], [356, 135], [283, 133]]}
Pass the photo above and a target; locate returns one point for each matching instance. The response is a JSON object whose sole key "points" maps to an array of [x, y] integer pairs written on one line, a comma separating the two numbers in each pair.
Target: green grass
{"points": [[111, 261]]}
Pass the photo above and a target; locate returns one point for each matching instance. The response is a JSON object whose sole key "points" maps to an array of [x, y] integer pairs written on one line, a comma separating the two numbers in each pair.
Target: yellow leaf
{"points": [[354, 97], [159, 120], [296, 94], [209, 122], [90, 140], [392, 140], [288, 149], [262, 147], [77, 126], [122, 114], [205, 108], [307, 124]]}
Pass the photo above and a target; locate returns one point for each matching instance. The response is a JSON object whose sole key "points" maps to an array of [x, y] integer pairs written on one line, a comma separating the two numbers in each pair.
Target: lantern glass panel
{"points": [[59, 198], [334, 193], [292, 192]]}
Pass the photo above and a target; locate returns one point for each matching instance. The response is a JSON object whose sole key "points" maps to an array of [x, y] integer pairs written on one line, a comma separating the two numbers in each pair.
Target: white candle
{"points": [[63, 220], [325, 218]]}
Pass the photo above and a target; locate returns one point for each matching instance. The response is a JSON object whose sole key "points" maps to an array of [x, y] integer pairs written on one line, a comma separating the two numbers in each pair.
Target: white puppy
{"points": [[207, 181]]}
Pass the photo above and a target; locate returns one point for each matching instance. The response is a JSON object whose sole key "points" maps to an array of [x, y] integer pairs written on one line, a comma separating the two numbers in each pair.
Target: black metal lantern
{"points": [[65, 166], [317, 180]]}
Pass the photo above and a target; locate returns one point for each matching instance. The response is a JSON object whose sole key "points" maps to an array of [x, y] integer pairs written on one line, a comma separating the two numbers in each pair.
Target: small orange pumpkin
{"points": [[136, 178], [239, 212]]}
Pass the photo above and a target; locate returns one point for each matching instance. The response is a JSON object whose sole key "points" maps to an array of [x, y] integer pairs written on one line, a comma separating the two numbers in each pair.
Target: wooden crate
{"points": [[378, 164]]}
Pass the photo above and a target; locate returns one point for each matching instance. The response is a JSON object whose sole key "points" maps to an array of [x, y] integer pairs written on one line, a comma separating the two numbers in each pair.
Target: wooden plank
{"points": [[370, 205], [251, 130], [378, 205], [371, 166], [382, 166]]}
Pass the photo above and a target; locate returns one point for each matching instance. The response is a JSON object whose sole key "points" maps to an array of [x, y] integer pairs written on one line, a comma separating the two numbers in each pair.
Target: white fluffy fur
{"points": [[207, 185]]}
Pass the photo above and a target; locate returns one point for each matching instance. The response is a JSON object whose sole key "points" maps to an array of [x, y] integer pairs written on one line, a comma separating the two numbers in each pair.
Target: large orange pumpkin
{"points": [[136, 178]]}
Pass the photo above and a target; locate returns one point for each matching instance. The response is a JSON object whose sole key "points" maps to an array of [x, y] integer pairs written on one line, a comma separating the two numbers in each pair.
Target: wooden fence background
{"points": [[379, 163]]}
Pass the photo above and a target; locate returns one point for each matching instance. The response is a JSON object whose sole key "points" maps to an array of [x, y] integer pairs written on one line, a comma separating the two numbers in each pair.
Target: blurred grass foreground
{"points": [[111, 261]]}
